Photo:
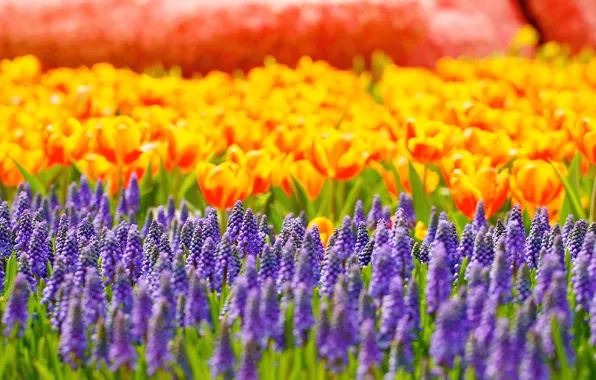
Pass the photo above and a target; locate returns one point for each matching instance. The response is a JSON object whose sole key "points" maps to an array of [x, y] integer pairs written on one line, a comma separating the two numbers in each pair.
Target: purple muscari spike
{"points": [[249, 361], [45, 210], [401, 354], [533, 246], [443, 235], [499, 230], [554, 232], [593, 321], [287, 264], [438, 286], [133, 194], [165, 246], [402, 252], [237, 303], [583, 284], [575, 239], [222, 362], [501, 364], [85, 193], [133, 254], [433, 225], [249, 235], [121, 233], [359, 216], [500, 276], [392, 309], [381, 238], [477, 350], [179, 276], [171, 209], [87, 259], [186, 234], [61, 234], [121, 207], [406, 203], [161, 218], [399, 219], [97, 195], [337, 342], [141, 311], [147, 224], [72, 198], [558, 250], [384, 268], [482, 252], [150, 258], [341, 297], [122, 294], [449, 337], [331, 242], [312, 251], [252, 322], [523, 284], [370, 355], [85, 229], [38, 251], [533, 364], [110, 256], [525, 317], [180, 356], [60, 309], [16, 313], [323, 327], [376, 212], [387, 215], [366, 307], [54, 201], [354, 281], [588, 251], [551, 311], [195, 247], [206, 261], [19, 205], [361, 238], [73, 217], [211, 227], [73, 340], [365, 255], [4, 212], [55, 221], [475, 304], [515, 242], [412, 303], [268, 268], [24, 230], [235, 220], [162, 286], [332, 269], [100, 345], [155, 232], [103, 217], [159, 334], [345, 240], [270, 313], [122, 352], [197, 305], [303, 315], [264, 230], [567, 227], [250, 272], [94, 300], [49, 292], [316, 235], [466, 245], [297, 231], [184, 211], [226, 269], [479, 221], [549, 266], [24, 267]]}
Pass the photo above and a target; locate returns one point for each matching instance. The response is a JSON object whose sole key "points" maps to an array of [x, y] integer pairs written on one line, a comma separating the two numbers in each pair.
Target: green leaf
{"points": [[300, 194], [462, 272], [570, 192], [187, 183], [351, 198], [396, 176], [33, 181], [147, 181], [421, 207]]}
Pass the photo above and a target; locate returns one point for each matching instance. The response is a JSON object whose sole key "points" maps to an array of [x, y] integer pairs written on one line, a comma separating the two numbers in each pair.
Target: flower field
{"points": [[300, 222]]}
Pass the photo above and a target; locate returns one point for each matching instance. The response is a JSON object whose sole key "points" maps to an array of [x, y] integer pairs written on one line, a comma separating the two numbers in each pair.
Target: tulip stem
{"points": [[593, 202], [424, 179], [333, 199]]}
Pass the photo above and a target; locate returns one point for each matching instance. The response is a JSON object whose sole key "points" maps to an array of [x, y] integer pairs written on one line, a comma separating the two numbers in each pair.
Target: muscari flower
{"points": [[248, 237], [133, 254], [500, 275], [576, 238], [392, 309], [303, 314], [133, 194], [141, 312], [159, 334], [359, 216], [583, 284], [16, 313], [533, 246], [412, 303], [402, 252], [179, 275], [316, 235], [323, 328], [365, 255], [431, 230], [122, 292], [376, 212], [370, 355], [567, 227], [110, 256], [73, 339], [303, 270], [345, 239], [525, 317], [332, 269], [501, 364], [197, 305], [24, 230], [533, 364], [100, 345], [122, 352], [438, 286], [479, 221], [24, 267], [38, 251], [5, 239], [94, 300], [401, 354], [270, 314]]}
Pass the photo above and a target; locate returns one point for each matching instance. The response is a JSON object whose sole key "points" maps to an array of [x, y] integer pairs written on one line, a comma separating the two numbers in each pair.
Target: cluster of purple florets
{"points": [[373, 292]]}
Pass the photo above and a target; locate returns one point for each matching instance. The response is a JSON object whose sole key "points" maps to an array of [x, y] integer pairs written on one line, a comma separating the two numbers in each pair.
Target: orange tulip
{"points": [[429, 141], [464, 161], [119, 140], [496, 145], [486, 184], [335, 156], [258, 164], [584, 133], [32, 160], [185, 147], [535, 183], [311, 180], [223, 184], [325, 227], [403, 170], [67, 141]]}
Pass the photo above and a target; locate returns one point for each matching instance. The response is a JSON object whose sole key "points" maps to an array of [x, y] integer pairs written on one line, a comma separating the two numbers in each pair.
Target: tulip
{"points": [[119, 140], [223, 184], [185, 147], [429, 141], [67, 141], [258, 164], [584, 133], [335, 156], [496, 145], [486, 184], [402, 167], [535, 183], [464, 161], [308, 177], [31, 160]]}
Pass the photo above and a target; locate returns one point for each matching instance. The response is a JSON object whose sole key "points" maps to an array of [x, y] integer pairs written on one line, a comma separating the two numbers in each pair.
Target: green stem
{"points": [[593, 203], [333, 199], [424, 178], [341, 187]]}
